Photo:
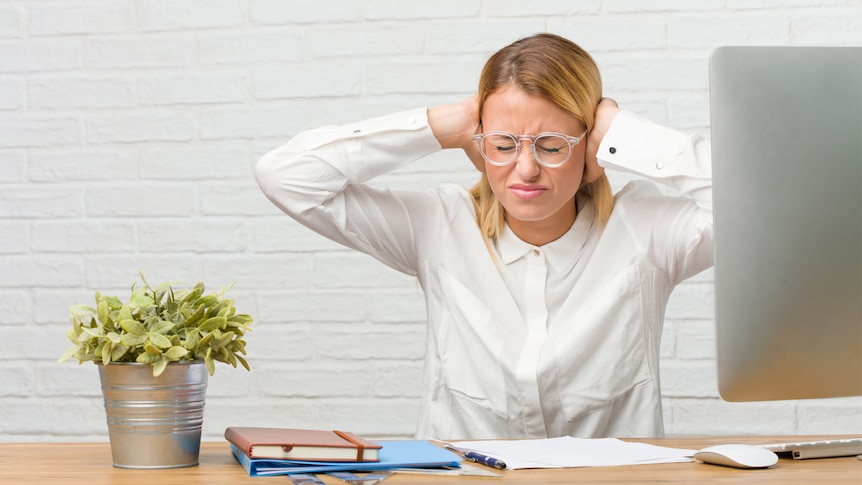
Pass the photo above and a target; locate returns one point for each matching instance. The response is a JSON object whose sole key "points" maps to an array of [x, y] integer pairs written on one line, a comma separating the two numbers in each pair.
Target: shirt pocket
{"points": [[605, 356], [470, 345]]}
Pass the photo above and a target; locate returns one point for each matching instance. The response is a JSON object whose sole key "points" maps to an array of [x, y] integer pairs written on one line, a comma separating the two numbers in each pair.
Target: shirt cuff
{"points": [[636, 145]]}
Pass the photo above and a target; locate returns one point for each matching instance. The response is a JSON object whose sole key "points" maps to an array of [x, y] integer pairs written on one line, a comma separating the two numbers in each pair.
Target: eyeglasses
{"points": [[551, 150]]}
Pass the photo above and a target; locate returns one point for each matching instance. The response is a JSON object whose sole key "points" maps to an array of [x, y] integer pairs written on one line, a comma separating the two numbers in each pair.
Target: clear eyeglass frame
{"points": [[571, 140]]}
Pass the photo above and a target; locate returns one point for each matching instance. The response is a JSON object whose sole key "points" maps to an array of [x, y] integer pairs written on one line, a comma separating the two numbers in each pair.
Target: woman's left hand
{"points": [[606, 111]]}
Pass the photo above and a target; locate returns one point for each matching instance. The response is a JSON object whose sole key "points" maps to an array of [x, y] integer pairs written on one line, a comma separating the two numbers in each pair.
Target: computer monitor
{"points": [[786, 133]]}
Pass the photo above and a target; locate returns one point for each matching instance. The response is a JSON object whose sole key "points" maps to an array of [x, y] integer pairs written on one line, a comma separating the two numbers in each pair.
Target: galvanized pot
{"points": [[154, 422]]}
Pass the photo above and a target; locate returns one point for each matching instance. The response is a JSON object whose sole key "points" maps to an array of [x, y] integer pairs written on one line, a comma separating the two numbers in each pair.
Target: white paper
{"points": [[566, 452]]}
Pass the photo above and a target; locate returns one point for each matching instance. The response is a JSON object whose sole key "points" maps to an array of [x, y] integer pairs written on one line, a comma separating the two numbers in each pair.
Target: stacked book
{"points": [[283, 451]]}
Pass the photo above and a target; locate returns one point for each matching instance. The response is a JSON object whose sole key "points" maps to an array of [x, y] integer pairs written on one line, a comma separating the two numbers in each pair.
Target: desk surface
{"points": [[90, 463]]}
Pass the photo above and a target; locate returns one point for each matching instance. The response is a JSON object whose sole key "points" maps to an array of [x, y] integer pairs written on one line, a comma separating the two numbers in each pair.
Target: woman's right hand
{"points": [[454, 126]]}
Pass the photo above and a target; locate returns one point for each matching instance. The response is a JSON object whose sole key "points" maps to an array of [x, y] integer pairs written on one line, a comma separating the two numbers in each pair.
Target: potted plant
{"points": [[154, 353]]}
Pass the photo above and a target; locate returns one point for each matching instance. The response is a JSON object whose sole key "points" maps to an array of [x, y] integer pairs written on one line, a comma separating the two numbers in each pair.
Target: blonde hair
{"points": [[557, 69]]}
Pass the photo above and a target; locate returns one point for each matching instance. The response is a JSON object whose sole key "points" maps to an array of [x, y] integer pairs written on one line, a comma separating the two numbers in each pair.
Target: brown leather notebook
{"points": [[302, 444]]}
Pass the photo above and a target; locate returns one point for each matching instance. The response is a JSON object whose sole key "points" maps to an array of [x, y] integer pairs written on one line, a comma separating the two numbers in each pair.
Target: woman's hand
{"points": [[606, 111], [454, 126]]}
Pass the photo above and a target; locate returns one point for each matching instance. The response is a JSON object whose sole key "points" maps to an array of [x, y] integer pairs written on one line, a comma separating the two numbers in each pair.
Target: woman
{"points": [[545, 293]]}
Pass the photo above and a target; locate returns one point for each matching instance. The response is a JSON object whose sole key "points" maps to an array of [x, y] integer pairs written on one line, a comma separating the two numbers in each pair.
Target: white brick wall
{"points": [[128, 130]]}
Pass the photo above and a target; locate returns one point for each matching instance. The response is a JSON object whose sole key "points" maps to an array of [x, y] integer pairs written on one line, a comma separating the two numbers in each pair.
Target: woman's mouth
{"points": [[527, 192]]}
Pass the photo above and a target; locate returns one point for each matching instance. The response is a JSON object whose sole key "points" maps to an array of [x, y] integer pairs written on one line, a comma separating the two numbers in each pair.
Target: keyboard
{"points": [[818, 449]]}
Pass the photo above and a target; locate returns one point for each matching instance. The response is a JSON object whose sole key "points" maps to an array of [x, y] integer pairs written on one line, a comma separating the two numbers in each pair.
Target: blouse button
{"points": [[411, 120], [659, 165], [536, 252]]}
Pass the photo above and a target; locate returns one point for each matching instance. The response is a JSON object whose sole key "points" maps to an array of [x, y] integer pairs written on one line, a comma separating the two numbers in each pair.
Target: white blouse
{"points": [[534, 341]]}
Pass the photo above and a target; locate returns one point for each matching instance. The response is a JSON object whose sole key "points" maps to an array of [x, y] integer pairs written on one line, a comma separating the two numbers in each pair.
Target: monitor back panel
{"points": [[786, 127]]}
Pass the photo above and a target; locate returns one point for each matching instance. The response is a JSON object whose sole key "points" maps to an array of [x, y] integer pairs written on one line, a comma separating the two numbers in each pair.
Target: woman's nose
{"points": [[526, 164]]}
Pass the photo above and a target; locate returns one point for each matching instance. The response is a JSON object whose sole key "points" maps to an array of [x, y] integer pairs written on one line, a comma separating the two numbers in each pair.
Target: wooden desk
{"points": [[90, 464]]}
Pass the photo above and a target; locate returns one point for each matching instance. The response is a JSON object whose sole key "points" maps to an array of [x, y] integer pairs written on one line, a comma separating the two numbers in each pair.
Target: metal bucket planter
{"points": [[154, 422]]}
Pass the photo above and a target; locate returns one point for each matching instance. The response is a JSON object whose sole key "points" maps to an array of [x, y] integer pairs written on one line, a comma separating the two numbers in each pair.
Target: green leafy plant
{"points": [[157, 326]]}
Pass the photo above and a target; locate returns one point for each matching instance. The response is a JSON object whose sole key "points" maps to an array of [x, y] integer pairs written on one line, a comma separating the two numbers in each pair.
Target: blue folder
{"points": [[393, 454]]}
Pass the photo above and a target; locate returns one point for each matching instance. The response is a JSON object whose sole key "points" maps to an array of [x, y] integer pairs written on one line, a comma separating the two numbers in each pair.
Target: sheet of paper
{"points": [[568, 452]]}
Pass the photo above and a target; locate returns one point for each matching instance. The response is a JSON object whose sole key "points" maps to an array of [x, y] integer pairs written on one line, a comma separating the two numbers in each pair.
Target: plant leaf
{"points": [[132, 340], [159, 340], [133, 327], [160, 366], [176, 352], [212, 324]]}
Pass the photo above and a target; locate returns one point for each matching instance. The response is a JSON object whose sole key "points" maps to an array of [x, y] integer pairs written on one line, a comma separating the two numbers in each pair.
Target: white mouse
{"points": [[738, 456]]}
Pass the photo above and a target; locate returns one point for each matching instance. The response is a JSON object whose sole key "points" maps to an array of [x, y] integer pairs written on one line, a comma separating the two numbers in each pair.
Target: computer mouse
{"points": [[737, 456]]}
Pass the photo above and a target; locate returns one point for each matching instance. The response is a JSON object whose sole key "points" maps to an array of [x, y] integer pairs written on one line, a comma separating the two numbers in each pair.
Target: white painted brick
{"points": [[304, 11], [40, 55], [402, 379], [195, 235], [689, 379], [14, 237], [86, 236], [158, 200], [77, 92], [37, 342], [483, 38], [15, 307], [637, 6], [695, 340], [141, 127], [139, 52], [385, 417], [716, 417], [552, 8], [209, 161], [207, 88], [17, 380], [251, 123], [642, 32], [777, 4], [11, 22], [710, 31], [40, 271], [220, 413], [272, 271], [82, 164], [398, 10], [51, 307], [71, 18], [830, 416], [416, 77], [836, 29], [323, 379], [309, 80], [654, 72], [692, 301], [355, 270], [53, 417], [67, 379], [330, 306], [271, 341], [398, 306], [11, 95], [14, 166], [38, 202], [360, 343], [283, 45], [228, 381], [377, 39], [689, 112], [280, 233], [31, 131], [158, 15], [119, 271], [233, 200]]}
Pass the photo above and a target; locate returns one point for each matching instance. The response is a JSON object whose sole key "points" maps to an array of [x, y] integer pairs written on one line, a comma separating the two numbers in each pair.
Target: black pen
{"points": [[484, 459]]}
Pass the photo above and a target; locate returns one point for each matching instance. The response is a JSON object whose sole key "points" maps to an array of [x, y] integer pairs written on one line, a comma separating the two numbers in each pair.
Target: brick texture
{"points": [[128, 131]]}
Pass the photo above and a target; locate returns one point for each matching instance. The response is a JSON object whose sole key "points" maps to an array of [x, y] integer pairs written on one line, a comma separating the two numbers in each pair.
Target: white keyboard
{"points": [[818, 449]]}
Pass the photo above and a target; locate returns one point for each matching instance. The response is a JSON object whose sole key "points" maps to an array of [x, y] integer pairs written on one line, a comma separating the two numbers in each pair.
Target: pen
{"points": [[484, 459]]}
